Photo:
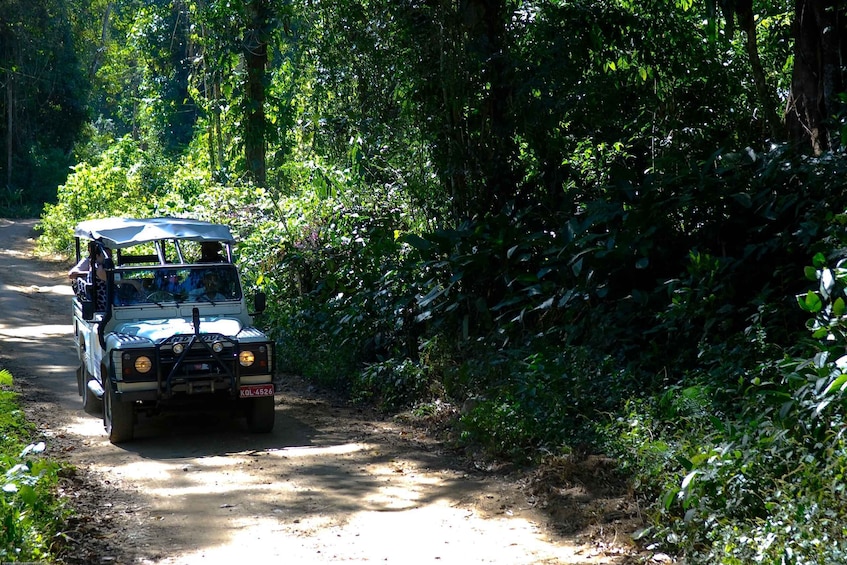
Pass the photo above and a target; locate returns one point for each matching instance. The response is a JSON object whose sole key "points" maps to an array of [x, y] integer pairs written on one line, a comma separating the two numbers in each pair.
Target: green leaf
{"points": [[820, 333], [785, 409], [838, 307], [506, 303], [28, 495], [430, 296], [743, 199], [810, 302], [669, 497], [640, 533], [822, 406], [417, 242], [839, 383], [685, 462], [811, 273], [546, 305], [819, 260], [577, 267], [686, 482], [423, 316], [543, 271]]}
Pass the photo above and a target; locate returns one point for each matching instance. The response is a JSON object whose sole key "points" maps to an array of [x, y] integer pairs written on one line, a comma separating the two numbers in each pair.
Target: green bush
{"points": [[114, 186], [537, 402], [31, 515], [391, 385], [331, 271], [763, 483], [307, 344]]}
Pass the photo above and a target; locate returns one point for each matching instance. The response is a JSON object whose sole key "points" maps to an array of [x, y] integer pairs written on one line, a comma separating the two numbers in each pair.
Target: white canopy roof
{"points": [[117, 233]]}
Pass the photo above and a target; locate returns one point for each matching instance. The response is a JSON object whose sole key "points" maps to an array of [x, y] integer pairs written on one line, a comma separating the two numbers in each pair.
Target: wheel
{"points": [[260, 414], [90, 403], [117, 417]]}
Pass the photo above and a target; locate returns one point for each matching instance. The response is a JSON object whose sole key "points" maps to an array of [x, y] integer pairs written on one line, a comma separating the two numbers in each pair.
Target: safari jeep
{"points": [[173, 332]]}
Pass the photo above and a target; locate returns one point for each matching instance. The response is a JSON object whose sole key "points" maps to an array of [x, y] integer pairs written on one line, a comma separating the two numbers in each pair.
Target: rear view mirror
{"points": [[260, 302]]}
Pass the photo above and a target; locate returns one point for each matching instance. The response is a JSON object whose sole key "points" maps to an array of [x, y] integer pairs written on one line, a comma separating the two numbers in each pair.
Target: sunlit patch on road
{"points": [[13, 253], [35, 331], [87, 427], [60, 289], [315, 450]]}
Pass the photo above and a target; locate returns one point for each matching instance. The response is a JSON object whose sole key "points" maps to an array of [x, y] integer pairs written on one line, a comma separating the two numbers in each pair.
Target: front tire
{"points": [[118, 417], [260, 414]]}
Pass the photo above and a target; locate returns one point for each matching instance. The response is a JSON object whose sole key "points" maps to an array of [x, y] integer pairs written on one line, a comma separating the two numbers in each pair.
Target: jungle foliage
{"points": [[583, 221]]}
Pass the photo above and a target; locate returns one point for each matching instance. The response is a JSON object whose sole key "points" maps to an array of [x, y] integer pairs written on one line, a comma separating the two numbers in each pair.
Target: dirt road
{"points": [[327, 485]]}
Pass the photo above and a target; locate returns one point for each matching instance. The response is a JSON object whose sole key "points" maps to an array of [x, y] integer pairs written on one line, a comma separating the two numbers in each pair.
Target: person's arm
{"points": [[80, 269]]}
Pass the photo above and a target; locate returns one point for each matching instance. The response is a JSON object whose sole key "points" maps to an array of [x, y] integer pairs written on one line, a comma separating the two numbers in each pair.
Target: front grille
{"points": [[198, 368]]}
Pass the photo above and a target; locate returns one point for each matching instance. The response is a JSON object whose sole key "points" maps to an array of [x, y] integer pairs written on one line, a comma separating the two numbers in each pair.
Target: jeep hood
{"points": [[159, 329]]}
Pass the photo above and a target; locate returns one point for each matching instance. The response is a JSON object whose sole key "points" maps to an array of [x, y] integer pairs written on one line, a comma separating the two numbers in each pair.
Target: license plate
{"points": [[252, 391]]}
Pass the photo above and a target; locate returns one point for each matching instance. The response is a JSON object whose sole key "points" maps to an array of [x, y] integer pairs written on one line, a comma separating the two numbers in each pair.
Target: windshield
{"points": [[176, 284]]}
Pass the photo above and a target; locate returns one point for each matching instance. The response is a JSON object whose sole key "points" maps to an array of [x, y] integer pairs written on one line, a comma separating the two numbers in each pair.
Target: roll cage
{"points": [[166, 236]]}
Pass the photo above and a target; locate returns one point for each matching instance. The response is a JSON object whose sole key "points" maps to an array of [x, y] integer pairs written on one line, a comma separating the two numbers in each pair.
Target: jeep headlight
{"points": [[246, 358], [143, 364], [178, 348], [218, 346]]}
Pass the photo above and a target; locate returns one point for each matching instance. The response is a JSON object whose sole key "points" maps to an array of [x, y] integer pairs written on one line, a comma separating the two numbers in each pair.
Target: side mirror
{"points": [[260, 302]]}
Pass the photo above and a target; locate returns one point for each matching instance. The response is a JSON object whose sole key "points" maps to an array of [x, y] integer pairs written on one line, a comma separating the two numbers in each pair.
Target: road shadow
{"points": [[201, 433]]}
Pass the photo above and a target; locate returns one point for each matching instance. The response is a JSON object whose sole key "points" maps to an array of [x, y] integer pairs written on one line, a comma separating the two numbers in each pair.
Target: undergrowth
{"points": [[31, 514]]}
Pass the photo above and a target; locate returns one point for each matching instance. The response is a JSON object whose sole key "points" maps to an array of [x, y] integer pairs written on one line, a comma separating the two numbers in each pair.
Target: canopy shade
{"points": [[117, 233]]}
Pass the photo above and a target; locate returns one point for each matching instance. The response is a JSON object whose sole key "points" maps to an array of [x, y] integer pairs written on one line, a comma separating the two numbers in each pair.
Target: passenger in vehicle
{"points": [[209, 290], [81, 269], [81, 275], [128, 290], [211, 252]]}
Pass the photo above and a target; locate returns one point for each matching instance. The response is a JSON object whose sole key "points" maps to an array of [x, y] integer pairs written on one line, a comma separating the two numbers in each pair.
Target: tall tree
{"points": [[255, 49], [238, 40], [44, 93], [818, 78]]}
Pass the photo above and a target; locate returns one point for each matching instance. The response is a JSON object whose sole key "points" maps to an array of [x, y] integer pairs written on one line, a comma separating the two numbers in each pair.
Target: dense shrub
{"points": [[758, 479], [391, 385]]}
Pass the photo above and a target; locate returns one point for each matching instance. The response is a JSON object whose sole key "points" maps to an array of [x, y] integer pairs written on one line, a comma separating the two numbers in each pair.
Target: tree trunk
{"points": [[477, 89], [104, 39], [10, 100], [748, 23], [817, 78], [256, 58]]}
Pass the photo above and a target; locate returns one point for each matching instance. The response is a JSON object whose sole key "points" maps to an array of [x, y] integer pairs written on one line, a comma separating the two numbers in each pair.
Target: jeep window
{"points": [[176, 284]]}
